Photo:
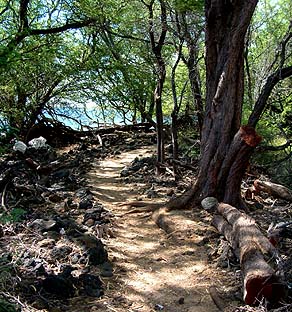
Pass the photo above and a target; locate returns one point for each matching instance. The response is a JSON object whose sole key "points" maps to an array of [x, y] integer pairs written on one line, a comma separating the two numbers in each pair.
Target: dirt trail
{"points": [[153, 271]]}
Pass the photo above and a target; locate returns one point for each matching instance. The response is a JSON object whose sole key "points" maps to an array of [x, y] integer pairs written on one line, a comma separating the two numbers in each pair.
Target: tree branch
{"points": [[20, 36], [5, 8], [261, 102], [23, 20], [67, 26]]}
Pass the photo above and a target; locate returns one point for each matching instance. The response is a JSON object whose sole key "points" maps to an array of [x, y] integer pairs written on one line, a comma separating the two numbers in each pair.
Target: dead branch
{"points": [[273, 189]]}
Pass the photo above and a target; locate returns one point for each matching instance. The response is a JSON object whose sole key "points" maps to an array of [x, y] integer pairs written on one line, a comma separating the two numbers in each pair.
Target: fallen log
{"points": [[245, 229], [254, 252], [226, 229], [273, 189]]}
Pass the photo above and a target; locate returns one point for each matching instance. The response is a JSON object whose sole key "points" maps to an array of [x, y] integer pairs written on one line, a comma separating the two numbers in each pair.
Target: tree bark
{"points": [[225, 145]]}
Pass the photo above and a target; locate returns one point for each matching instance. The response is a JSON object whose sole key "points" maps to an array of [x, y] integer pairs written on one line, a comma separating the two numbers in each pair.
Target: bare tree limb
{"points": [[260, 105]]}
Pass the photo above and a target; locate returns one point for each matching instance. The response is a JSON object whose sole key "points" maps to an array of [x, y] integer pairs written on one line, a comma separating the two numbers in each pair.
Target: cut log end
{"points": [[259, 287]]}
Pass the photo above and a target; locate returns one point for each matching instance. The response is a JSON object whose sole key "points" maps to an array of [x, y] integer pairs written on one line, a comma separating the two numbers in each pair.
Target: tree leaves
{"points": [[189, 5]]}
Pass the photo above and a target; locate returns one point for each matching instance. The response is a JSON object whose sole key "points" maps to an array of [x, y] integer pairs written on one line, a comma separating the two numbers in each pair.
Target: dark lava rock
{"points": [[106, 269], [125, 172], [95, 214], [40, 270], [60, 252], [83, 193], [91, 284], [94, 248], [209, 204], [55, 198], [85, 204], [61, 174], [67, 270], [59, 286], [97, 255]]}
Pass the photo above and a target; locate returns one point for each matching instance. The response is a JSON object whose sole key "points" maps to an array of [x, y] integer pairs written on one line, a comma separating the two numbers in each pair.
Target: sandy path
{"points": [[152, 270]]}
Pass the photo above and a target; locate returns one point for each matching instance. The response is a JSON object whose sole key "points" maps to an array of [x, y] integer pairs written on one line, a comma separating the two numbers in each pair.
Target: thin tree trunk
{"points": [[157, 46], [175, 110], [159, 117], [194, 77]]}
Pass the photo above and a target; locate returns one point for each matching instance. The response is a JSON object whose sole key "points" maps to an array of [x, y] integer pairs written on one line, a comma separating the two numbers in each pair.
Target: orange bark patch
{"points": [[249, 136]]}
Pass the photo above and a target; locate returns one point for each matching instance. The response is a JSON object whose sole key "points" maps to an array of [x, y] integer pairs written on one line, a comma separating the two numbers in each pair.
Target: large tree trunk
{"points": [[226, 145]]}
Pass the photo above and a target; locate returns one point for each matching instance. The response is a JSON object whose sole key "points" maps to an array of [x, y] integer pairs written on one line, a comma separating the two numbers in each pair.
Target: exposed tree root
{"points": [[185, 201], [141, 207], [161, 212]]}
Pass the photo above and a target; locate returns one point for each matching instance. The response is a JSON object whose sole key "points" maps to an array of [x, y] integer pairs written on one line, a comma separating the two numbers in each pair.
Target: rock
{"points": [[95, 214], [125, 173], [152, 194], [43, 225], [106, 273], [67, 270], [40, 270], [106, 269], [95, 248], [61, 174], [209, 204], [91, 284], [38, 143], [55, 198], [85, 204], [19, 146], [83, 193], [53, 235], [59, 286], [60, 252], [97, 255]]}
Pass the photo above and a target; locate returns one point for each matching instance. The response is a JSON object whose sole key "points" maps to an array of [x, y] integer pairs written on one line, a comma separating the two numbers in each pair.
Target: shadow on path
{"points": [[153, 270]]}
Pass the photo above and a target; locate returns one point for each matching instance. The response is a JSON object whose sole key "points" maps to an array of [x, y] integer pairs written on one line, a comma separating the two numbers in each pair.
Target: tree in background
{"points": [[32, 62]]}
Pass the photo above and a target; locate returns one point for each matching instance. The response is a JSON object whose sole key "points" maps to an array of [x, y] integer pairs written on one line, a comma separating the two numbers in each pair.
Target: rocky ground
{"points": [[67, 245]]}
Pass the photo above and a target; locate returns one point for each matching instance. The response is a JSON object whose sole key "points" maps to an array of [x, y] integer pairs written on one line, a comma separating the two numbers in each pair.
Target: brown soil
{"points": [[153, 270]]}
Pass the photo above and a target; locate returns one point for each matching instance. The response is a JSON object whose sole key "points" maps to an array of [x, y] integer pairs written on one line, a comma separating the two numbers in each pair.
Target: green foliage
{"points": [[189, 5], [6, 306], [265, 56], [15, 215]]}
